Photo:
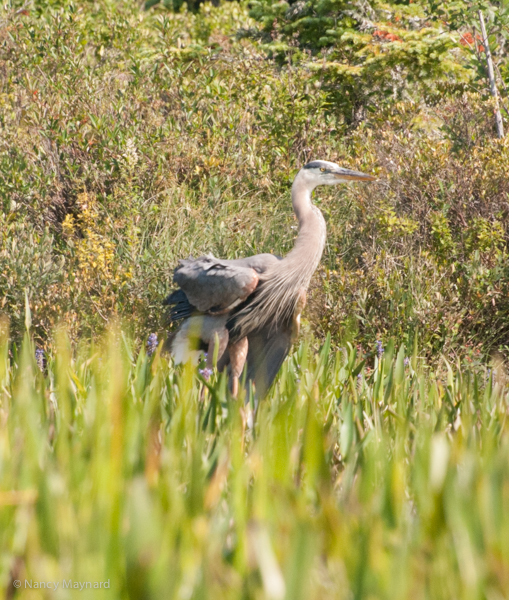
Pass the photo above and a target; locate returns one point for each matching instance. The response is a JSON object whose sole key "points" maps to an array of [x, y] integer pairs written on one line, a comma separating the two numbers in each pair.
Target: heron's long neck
{"points": [[281, 284], [310, 242]]}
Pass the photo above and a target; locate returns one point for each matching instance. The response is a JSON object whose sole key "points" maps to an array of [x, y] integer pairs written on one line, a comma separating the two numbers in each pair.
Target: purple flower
{"points": [[406, 362], [40, 358], [379, 348], [152, 344], [206, 372]]}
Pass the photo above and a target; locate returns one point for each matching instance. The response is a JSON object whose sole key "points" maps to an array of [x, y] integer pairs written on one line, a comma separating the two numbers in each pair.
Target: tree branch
{"points": [[491, 75]]}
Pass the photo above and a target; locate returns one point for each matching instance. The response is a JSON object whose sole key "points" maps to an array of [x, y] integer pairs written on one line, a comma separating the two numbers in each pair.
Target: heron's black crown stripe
{"points": [[316, 164]]}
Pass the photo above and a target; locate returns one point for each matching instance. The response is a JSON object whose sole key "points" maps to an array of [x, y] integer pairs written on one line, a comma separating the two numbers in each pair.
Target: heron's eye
{"points": [[322, 169]]}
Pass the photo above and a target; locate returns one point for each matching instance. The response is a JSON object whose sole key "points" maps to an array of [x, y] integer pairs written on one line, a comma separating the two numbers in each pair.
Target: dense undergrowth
{"points": [[358, 477], [131, 139]]}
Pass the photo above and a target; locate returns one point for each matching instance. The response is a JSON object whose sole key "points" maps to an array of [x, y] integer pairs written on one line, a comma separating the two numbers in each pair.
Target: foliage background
{"points": [[132, 138]]}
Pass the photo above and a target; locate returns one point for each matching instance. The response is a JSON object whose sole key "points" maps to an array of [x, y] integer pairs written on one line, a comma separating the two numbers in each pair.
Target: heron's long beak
{"points": [[349, 175]]}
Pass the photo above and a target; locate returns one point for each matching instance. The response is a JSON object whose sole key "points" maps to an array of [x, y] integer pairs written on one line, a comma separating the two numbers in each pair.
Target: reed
{"points": [[358, 477]]}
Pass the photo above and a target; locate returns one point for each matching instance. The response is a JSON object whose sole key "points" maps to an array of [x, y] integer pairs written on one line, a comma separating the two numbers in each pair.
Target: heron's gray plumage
{"points": [[268, 348], [258, 298], [214, 285]]}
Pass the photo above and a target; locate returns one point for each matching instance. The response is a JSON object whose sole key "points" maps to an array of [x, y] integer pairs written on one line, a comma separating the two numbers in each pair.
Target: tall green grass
{"points": [[358, 477]]}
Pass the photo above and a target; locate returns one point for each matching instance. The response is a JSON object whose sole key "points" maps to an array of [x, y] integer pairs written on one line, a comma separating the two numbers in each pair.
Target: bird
{"points": [[248, 310]]}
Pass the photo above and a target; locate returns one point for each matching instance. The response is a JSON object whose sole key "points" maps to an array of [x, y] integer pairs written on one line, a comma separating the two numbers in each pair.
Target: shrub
{"points": [[366, 54], [160, 135]]}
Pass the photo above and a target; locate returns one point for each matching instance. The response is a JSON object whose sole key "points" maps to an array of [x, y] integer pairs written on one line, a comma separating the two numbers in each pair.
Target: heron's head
{"points": [[323, 172]]}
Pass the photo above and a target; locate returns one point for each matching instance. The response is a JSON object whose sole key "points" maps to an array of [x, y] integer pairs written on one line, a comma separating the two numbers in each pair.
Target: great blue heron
{"points": [[250, 307]]}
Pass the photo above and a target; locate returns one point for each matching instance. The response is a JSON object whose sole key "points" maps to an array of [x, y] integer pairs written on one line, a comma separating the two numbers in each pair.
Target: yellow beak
{"points": [[350, 175]]}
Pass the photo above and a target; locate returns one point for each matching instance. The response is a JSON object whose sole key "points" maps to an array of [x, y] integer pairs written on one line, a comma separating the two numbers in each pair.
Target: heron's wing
{"points": [[268, 348], [213, 285], [180, 307]]}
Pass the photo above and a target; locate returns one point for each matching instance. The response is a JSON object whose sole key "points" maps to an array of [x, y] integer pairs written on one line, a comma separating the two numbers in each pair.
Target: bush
{"points": [[160, 135], [425, 248], [366, 54]]}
